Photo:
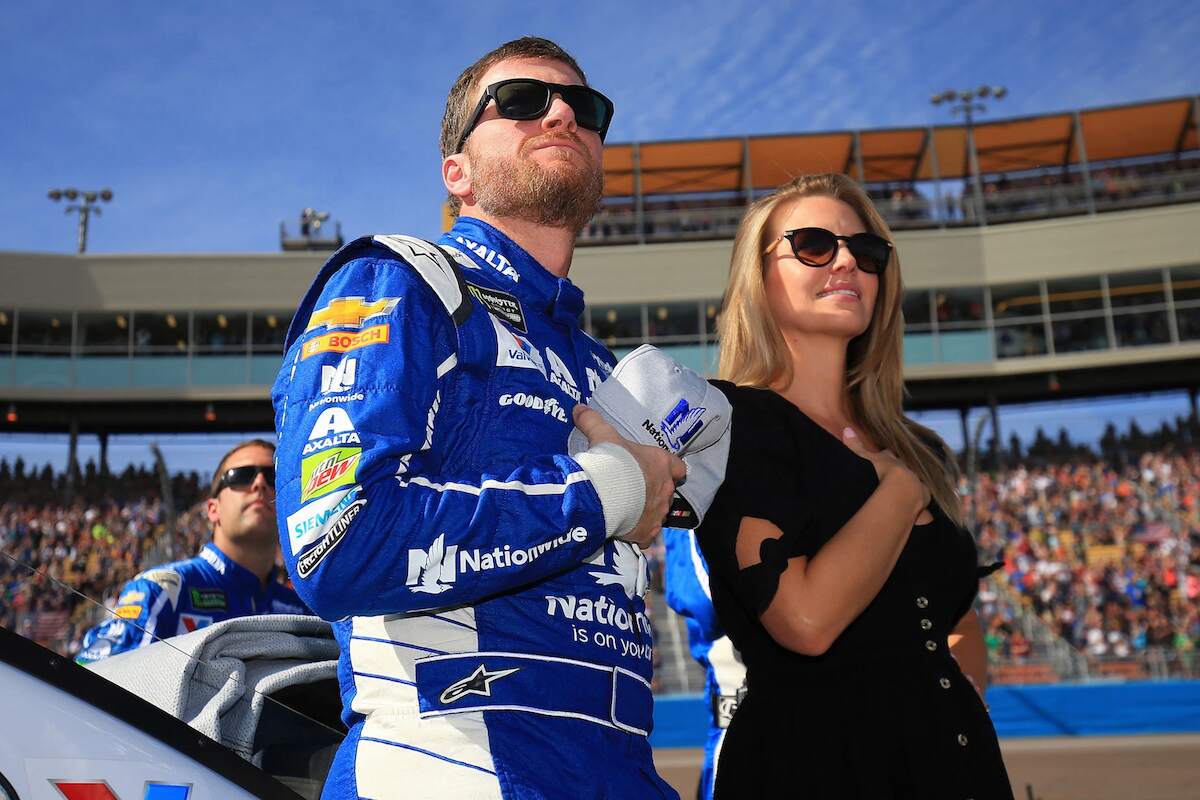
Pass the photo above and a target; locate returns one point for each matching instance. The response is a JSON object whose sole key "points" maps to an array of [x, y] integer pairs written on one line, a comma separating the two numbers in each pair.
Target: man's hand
{"points": [[660, 469]]}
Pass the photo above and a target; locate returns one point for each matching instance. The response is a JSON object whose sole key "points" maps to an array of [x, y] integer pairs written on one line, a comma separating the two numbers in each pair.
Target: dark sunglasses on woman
{"points": [[529, 98], [242, 478], [817, 247]]}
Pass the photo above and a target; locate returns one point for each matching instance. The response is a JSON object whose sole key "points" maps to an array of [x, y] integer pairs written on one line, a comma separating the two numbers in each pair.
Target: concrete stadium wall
{"points": [[1046, 710], [1118, 241]]}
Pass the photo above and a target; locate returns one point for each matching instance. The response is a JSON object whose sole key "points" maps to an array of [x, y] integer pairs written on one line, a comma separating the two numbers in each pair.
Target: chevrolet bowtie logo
{"points": [[478, 682], [350, 312]]}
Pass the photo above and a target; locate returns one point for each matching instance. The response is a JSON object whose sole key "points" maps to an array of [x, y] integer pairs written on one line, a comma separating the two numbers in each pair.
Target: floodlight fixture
{"points": [[88, 206]]}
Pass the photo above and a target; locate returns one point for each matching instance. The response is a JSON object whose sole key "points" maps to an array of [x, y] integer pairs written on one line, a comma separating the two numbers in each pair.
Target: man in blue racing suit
{"points": [[486, 588], [688, 595], [234, 575]]}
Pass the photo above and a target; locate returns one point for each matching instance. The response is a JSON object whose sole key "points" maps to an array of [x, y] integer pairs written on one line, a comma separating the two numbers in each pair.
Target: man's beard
{"points": [[562, 195]]}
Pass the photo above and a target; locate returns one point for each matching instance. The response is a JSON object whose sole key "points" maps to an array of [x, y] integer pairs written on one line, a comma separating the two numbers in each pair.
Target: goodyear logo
{"points": [[349, 312], [342, 342], [327, 470], [128, 612]]}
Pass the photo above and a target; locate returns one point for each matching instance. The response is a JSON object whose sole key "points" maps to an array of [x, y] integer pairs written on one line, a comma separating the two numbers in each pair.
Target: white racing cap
{"points": [[652, 399]]}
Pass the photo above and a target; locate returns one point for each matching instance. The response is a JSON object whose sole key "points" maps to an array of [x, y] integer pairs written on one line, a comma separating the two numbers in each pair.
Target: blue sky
{"points": [[214, 121]]}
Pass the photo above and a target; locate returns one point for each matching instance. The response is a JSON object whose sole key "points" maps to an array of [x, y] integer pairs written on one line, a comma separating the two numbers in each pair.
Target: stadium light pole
{"points": [[968, 103], [88, 206]]}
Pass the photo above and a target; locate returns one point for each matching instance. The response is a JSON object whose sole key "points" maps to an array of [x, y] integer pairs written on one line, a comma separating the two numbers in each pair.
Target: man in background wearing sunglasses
{"points": [[485, 588], [233, 576]]}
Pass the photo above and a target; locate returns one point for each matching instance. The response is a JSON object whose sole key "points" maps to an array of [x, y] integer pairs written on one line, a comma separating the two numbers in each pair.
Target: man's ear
{"points": [[212, 508], [456, 175]]}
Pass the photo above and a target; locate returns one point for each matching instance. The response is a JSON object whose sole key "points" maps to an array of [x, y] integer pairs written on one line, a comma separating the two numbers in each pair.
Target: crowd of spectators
{"points": [[1100, 549], [66, 541]]}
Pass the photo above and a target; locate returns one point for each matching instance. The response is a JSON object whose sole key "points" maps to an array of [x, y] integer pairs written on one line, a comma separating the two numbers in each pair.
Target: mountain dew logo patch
{"points": [[327, 470]]}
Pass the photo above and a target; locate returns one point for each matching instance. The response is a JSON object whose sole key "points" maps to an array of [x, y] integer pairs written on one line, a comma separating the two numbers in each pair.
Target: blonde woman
{"points": [[839, 565]]}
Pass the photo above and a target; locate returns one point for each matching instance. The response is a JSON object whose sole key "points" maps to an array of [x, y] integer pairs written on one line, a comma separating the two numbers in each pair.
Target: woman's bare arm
{"points": [[817, 598], [969, 649]]}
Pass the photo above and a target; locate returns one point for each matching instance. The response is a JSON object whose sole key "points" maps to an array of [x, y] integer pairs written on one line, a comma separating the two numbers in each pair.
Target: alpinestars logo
{"points": [[435, 571], [478, 682], [560, 376]]}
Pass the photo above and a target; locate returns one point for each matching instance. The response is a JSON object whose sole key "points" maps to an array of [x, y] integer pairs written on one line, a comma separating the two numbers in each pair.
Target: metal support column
{"points": [[858, 159], [935, 173], [1084, 167], [639, 210], [72, 455], [976, 180], [995, 409], [103, 465], [747, 176]]}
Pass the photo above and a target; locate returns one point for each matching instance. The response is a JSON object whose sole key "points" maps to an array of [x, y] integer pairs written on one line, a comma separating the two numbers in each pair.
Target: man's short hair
{"points": [[216, 479], [464, 94]]}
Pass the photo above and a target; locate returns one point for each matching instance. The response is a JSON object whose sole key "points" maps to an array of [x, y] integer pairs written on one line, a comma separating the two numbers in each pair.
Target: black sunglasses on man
{"points": [[529, 98], [242, 478]]}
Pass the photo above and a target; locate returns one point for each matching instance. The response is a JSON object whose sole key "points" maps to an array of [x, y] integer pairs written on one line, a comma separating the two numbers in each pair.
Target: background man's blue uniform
{"points": [[184, 596], [688, 594]]}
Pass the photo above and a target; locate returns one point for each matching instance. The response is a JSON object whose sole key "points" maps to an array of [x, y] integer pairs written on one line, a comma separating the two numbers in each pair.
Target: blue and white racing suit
{"points": [[688, 594], [494, 640], [184, 596]]}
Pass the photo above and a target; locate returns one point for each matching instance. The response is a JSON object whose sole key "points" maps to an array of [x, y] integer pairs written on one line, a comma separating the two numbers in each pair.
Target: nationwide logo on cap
{"points": [[350, 312], [343, 342], [682, 424]]}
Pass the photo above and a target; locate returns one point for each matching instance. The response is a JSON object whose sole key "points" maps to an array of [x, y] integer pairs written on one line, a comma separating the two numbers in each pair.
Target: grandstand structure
{"points": [[1075, 271], [1070, 268]]}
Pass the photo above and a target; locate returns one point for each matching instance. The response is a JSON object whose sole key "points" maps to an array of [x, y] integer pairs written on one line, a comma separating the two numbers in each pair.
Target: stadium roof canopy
{"points": [[732, 164]]}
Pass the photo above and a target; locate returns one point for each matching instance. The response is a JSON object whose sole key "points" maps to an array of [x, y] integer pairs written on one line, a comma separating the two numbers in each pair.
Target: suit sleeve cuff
{"points": [[619, 482]]}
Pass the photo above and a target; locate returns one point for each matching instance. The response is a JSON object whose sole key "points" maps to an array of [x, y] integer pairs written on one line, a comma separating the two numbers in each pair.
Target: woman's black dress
{"points": [[885, 712]]}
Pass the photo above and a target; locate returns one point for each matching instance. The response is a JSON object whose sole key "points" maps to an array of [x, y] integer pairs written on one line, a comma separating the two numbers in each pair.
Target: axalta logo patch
{"points": [[547, 405], [435, 571], [560, 375], [350, 312], [332, 428], [490, 257], [337, 531], [310, 523], [325, 471], [343, 342]]}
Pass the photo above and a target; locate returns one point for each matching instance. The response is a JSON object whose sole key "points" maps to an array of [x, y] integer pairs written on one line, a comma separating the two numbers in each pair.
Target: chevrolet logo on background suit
{"points": [[350, 312]]}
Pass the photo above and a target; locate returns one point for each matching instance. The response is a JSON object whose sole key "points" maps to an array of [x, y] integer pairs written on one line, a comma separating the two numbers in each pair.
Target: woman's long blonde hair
{"points": [[753, 352]]}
